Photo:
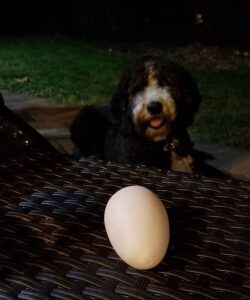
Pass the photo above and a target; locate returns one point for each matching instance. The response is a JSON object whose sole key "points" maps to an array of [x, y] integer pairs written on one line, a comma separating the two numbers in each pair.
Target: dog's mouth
{"points": [[156, 122]]}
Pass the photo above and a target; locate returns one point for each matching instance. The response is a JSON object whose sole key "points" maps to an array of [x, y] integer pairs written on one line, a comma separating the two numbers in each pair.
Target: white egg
{"points": [[137, 226]]}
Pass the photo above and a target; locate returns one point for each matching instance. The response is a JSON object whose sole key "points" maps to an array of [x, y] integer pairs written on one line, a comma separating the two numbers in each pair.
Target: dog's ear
{"points": [[120, 107], [191, 100], [130, 83], [120, 99]]}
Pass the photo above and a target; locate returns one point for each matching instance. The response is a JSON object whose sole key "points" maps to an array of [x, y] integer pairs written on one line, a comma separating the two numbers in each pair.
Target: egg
{"points": [[137, 226]]}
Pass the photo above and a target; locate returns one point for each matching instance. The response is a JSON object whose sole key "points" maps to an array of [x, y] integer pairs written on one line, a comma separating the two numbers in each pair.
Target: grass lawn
{"points": [[73, 71]]}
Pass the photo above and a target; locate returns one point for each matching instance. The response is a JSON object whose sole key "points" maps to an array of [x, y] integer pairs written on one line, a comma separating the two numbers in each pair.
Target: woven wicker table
{"points": [[53, 242]]}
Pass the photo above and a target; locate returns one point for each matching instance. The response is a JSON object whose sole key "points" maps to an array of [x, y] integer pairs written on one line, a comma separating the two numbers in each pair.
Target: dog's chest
{"points": [[133, 149]]}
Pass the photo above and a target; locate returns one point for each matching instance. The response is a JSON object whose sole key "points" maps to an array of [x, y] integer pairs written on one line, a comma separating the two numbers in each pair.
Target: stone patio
{"points": [[52, 120]]}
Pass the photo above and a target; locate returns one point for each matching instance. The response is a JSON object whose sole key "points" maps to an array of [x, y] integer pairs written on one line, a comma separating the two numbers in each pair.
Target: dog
{"points": [[146, 120]]}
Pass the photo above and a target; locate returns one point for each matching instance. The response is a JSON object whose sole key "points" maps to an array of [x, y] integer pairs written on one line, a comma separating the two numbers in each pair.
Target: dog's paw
{"points": [[182, 163]]}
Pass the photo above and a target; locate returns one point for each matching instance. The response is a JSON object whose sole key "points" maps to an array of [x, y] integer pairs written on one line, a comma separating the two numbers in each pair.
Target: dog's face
{"points": [[153, 108], [155, 95]]}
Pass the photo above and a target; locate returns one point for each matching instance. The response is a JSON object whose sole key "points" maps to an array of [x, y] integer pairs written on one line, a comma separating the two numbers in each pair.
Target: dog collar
{"points": [[169, 146]]}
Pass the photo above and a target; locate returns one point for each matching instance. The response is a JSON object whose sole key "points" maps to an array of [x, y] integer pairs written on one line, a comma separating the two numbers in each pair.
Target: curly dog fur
{"points": [[147, 119]]}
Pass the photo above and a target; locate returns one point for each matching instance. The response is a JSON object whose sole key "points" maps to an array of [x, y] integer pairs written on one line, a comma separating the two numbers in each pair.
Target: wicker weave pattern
{"points": [[54, 246], [54, 243]]}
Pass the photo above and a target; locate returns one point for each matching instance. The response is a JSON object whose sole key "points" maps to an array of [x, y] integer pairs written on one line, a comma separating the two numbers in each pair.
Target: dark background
{"points": [[224, 22]]}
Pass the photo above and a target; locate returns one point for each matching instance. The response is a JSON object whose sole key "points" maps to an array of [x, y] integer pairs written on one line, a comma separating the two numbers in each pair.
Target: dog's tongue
{"points": [[155, 122]]}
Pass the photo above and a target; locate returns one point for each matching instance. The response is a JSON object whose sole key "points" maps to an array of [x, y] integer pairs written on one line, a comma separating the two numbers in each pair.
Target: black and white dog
{"points": [[147, 119]]}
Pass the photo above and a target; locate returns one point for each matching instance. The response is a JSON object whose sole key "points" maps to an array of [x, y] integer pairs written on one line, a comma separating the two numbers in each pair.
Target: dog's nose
{"points": [[154, 107]]}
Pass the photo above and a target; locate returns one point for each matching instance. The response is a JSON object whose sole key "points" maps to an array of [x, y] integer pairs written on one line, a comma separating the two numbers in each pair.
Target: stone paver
{"points": [[52, 120], [232, 161], [16, 101]]}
